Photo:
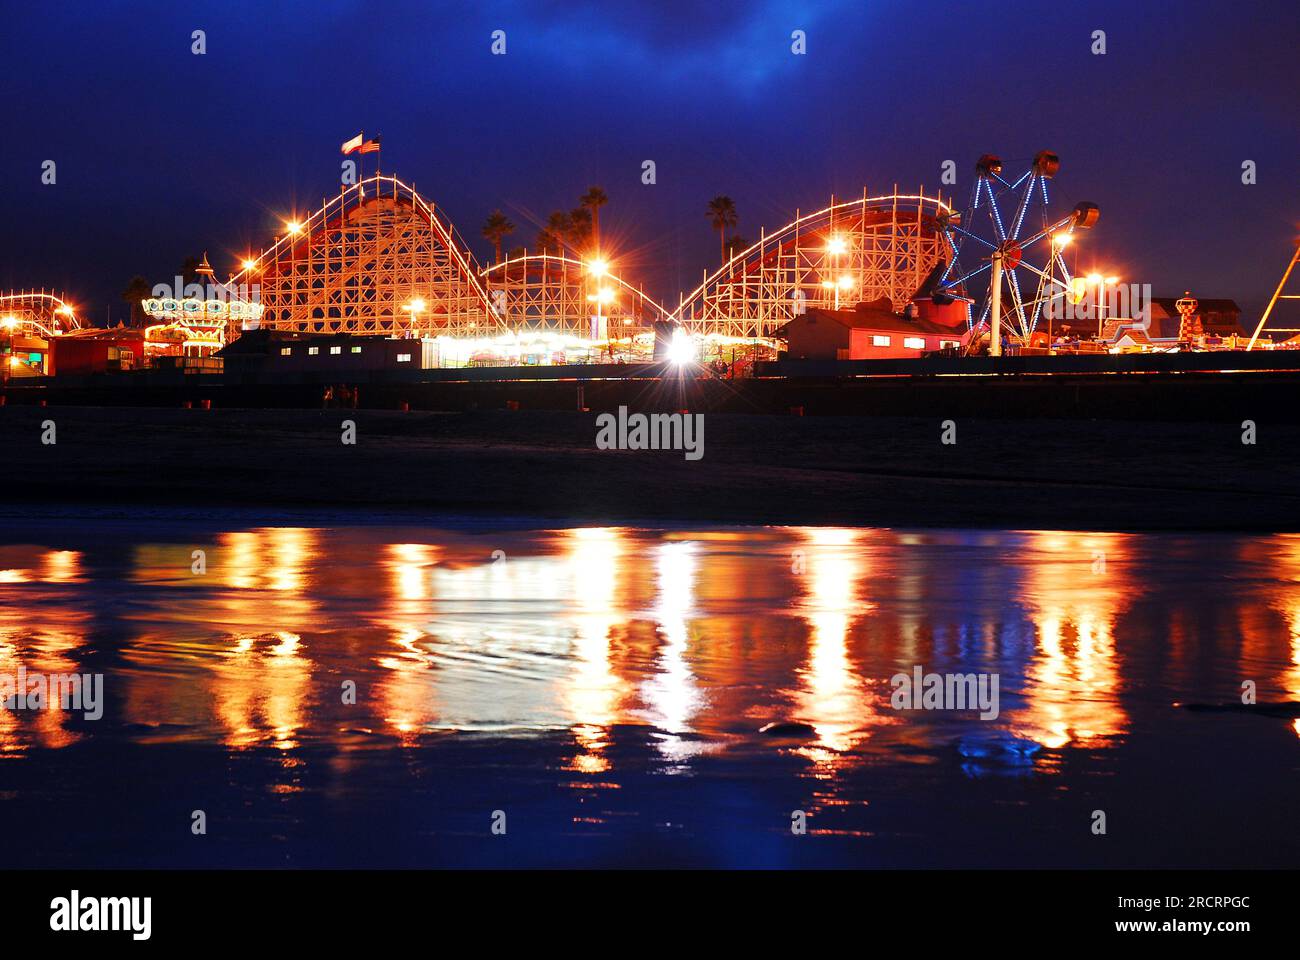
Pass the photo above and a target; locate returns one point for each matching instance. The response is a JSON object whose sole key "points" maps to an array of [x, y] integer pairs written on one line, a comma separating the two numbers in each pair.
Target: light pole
{"points": [[995, 306], [415, 306]]}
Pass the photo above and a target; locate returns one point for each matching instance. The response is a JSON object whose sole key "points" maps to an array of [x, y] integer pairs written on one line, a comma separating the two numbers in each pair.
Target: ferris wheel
{"points": [[1010, 232]]}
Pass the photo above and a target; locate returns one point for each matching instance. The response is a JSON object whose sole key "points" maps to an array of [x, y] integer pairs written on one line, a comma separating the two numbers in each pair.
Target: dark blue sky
{"points": [[162, 154]]}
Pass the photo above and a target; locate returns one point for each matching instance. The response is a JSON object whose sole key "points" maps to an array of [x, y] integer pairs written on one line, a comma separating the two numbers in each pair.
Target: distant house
{"points": [[1219, 318], [870, 331]]}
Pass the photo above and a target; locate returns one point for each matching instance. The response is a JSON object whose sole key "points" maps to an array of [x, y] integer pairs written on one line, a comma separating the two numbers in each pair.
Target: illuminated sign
{"points": [[192, 311]]}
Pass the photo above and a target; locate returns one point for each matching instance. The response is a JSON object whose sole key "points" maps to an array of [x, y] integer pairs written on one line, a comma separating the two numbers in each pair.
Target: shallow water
{"points": [[604, 688]]}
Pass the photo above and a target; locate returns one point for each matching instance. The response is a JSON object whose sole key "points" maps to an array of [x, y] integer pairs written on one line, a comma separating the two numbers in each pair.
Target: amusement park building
{"points": [[340, 353], [96, 350], [1219, 318], [869, 331]]}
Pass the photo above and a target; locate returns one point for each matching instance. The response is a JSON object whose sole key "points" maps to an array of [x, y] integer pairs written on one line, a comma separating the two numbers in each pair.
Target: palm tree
{"points": [[552, 236], [593, 200], [547, 241], [736, 244], [580, 228], [495, 229], [722, 214], [136, 291]]}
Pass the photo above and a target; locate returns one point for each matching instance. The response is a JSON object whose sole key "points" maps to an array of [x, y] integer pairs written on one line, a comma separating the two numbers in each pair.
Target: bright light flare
{"points": [[9, 322], [293, 226], [846, 282], [837, 245], [598, 267], [416, 305], [681, 349], [1062, 239], [248, 264]]}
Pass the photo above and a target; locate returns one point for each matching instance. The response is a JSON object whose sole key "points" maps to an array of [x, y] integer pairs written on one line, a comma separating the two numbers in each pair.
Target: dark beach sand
{"points": [[879, 471]]}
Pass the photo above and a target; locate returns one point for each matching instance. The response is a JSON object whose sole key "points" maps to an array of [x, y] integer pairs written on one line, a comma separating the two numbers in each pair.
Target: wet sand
{"points": [[875, 471]]}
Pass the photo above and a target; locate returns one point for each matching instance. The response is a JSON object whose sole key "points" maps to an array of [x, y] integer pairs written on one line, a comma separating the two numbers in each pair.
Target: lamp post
{"points": [[1101, 283], [995, 306], [415, 306], [8, 325], [845, 283]]}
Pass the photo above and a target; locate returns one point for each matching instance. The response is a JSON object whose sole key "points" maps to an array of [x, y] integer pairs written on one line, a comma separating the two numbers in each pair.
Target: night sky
{"points": [[161, 154]]}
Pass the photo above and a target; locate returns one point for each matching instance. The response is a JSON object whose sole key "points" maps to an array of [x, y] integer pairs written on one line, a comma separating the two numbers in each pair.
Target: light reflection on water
{"points": [[694, 637]]}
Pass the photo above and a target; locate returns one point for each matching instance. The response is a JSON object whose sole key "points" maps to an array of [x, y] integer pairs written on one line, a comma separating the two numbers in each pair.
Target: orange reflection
{"points": [[671, 695], [594, 693], [1282, 557], [1076, 585], [833, 696]]}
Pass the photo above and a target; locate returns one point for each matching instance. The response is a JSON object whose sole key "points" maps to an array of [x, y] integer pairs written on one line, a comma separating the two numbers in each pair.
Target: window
{"points": [[335, 351], [878, 341], [313, 350], [914, 343], [285, 351], [403, 358], [949, 344], [356, 349]]}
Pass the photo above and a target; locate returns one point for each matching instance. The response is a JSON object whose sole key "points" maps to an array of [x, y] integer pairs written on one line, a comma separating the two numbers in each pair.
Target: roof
{"points": [[261, 340], [872, 316], [104, 333]]}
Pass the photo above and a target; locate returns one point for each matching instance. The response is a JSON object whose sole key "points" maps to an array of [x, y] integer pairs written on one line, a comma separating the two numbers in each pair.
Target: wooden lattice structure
{"points": [[557, 294], [36, 313], [846, 253], [376, 259]]}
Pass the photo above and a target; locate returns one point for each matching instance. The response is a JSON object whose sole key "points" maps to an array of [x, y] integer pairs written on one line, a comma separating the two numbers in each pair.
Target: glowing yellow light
{"points": [[293, 226], [9, 322], [846, 282], [1094, 278], [1062, 239], [598, 268], [1112, 280], [606, 295], [14, 362], [836, 245], [681, 349], [416, 305], [827, 284], [249, 264]]}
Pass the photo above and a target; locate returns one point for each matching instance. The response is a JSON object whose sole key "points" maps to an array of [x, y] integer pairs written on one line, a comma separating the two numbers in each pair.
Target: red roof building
{"points": [[871, 331]]}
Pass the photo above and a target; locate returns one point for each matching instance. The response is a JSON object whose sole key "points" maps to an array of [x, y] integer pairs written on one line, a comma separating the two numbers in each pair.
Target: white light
{"points": [[681, 349], [846, 282], [836, 245], [598, 268], [606, 295]]}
